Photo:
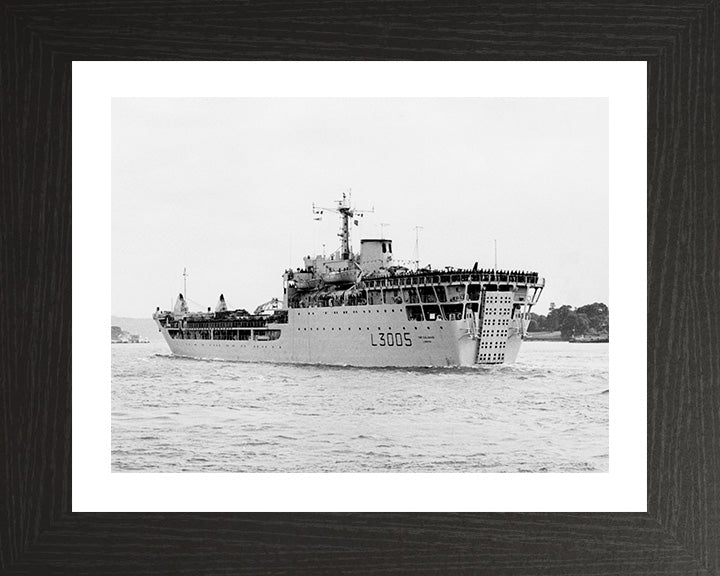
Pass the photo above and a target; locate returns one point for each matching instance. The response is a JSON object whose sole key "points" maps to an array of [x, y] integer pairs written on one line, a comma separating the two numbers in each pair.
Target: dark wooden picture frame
{"points": [[680, 533]]}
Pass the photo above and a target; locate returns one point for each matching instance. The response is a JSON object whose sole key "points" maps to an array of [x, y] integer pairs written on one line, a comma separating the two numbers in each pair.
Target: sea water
{"points": [[548, 412]]}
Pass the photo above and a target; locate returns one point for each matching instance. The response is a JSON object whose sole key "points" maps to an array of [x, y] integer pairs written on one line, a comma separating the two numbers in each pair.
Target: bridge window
{"points": [[375, 297], [410, 295], [432, 312], [441, 295], [267, 334], [453, 311], [426, 294], [414, 313]]}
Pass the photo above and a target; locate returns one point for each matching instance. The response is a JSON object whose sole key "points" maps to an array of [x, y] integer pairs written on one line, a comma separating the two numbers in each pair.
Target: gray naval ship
{"points": [[363, 309]]}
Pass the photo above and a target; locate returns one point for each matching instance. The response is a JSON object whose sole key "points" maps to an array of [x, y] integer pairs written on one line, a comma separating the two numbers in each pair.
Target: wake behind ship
{"points": [[361, 309]]}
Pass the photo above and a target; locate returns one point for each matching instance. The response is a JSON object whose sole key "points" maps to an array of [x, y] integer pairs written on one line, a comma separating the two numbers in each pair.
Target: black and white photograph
{"points": [[360, 285], [358, 263]]}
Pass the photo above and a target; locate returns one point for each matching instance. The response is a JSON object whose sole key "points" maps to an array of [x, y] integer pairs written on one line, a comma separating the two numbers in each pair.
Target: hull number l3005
{"points": [[391, 339]]}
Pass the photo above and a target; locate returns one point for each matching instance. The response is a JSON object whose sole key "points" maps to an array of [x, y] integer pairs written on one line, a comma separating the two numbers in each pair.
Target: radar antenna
{"points": [[346, 211], [417, 247]]}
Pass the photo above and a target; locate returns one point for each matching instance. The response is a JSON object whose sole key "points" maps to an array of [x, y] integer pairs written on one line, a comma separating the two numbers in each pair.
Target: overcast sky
{"points": [[224, 187]]}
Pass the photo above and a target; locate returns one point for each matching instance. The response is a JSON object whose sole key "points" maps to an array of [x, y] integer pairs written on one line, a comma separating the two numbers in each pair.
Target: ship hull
{"points": [[368, 336]]}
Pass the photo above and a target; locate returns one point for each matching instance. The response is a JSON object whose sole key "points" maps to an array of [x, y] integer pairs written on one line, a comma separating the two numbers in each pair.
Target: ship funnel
{"points": [[221, 306], [180, 306], [375, 254]]}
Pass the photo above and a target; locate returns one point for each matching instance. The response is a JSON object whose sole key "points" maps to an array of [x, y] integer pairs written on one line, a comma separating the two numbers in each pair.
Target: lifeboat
{"points": [[308, 283], [340, 277]]}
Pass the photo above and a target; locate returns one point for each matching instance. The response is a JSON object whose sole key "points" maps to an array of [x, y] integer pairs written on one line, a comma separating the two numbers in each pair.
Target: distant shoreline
{"points": [[544, 337], [143, 327], [557, 337]]}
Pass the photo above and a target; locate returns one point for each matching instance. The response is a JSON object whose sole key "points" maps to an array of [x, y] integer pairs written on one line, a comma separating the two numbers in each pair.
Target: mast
{"points": [[185, 275], [417, 247], [346, 211]]}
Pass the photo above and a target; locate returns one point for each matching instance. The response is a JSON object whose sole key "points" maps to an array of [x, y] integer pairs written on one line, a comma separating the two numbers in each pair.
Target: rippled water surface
{"points": [[548, 412]]}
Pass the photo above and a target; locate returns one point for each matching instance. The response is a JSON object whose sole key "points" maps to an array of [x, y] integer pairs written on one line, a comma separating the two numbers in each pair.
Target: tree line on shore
{"points": [[591, 319]]}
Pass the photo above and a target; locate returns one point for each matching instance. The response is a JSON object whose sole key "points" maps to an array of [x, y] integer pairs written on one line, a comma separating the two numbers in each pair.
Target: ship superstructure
{"points": [[364, 309]]}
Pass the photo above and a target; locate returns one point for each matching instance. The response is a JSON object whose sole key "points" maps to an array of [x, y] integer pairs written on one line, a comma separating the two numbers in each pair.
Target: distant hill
{"points": [[145, 327]]}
